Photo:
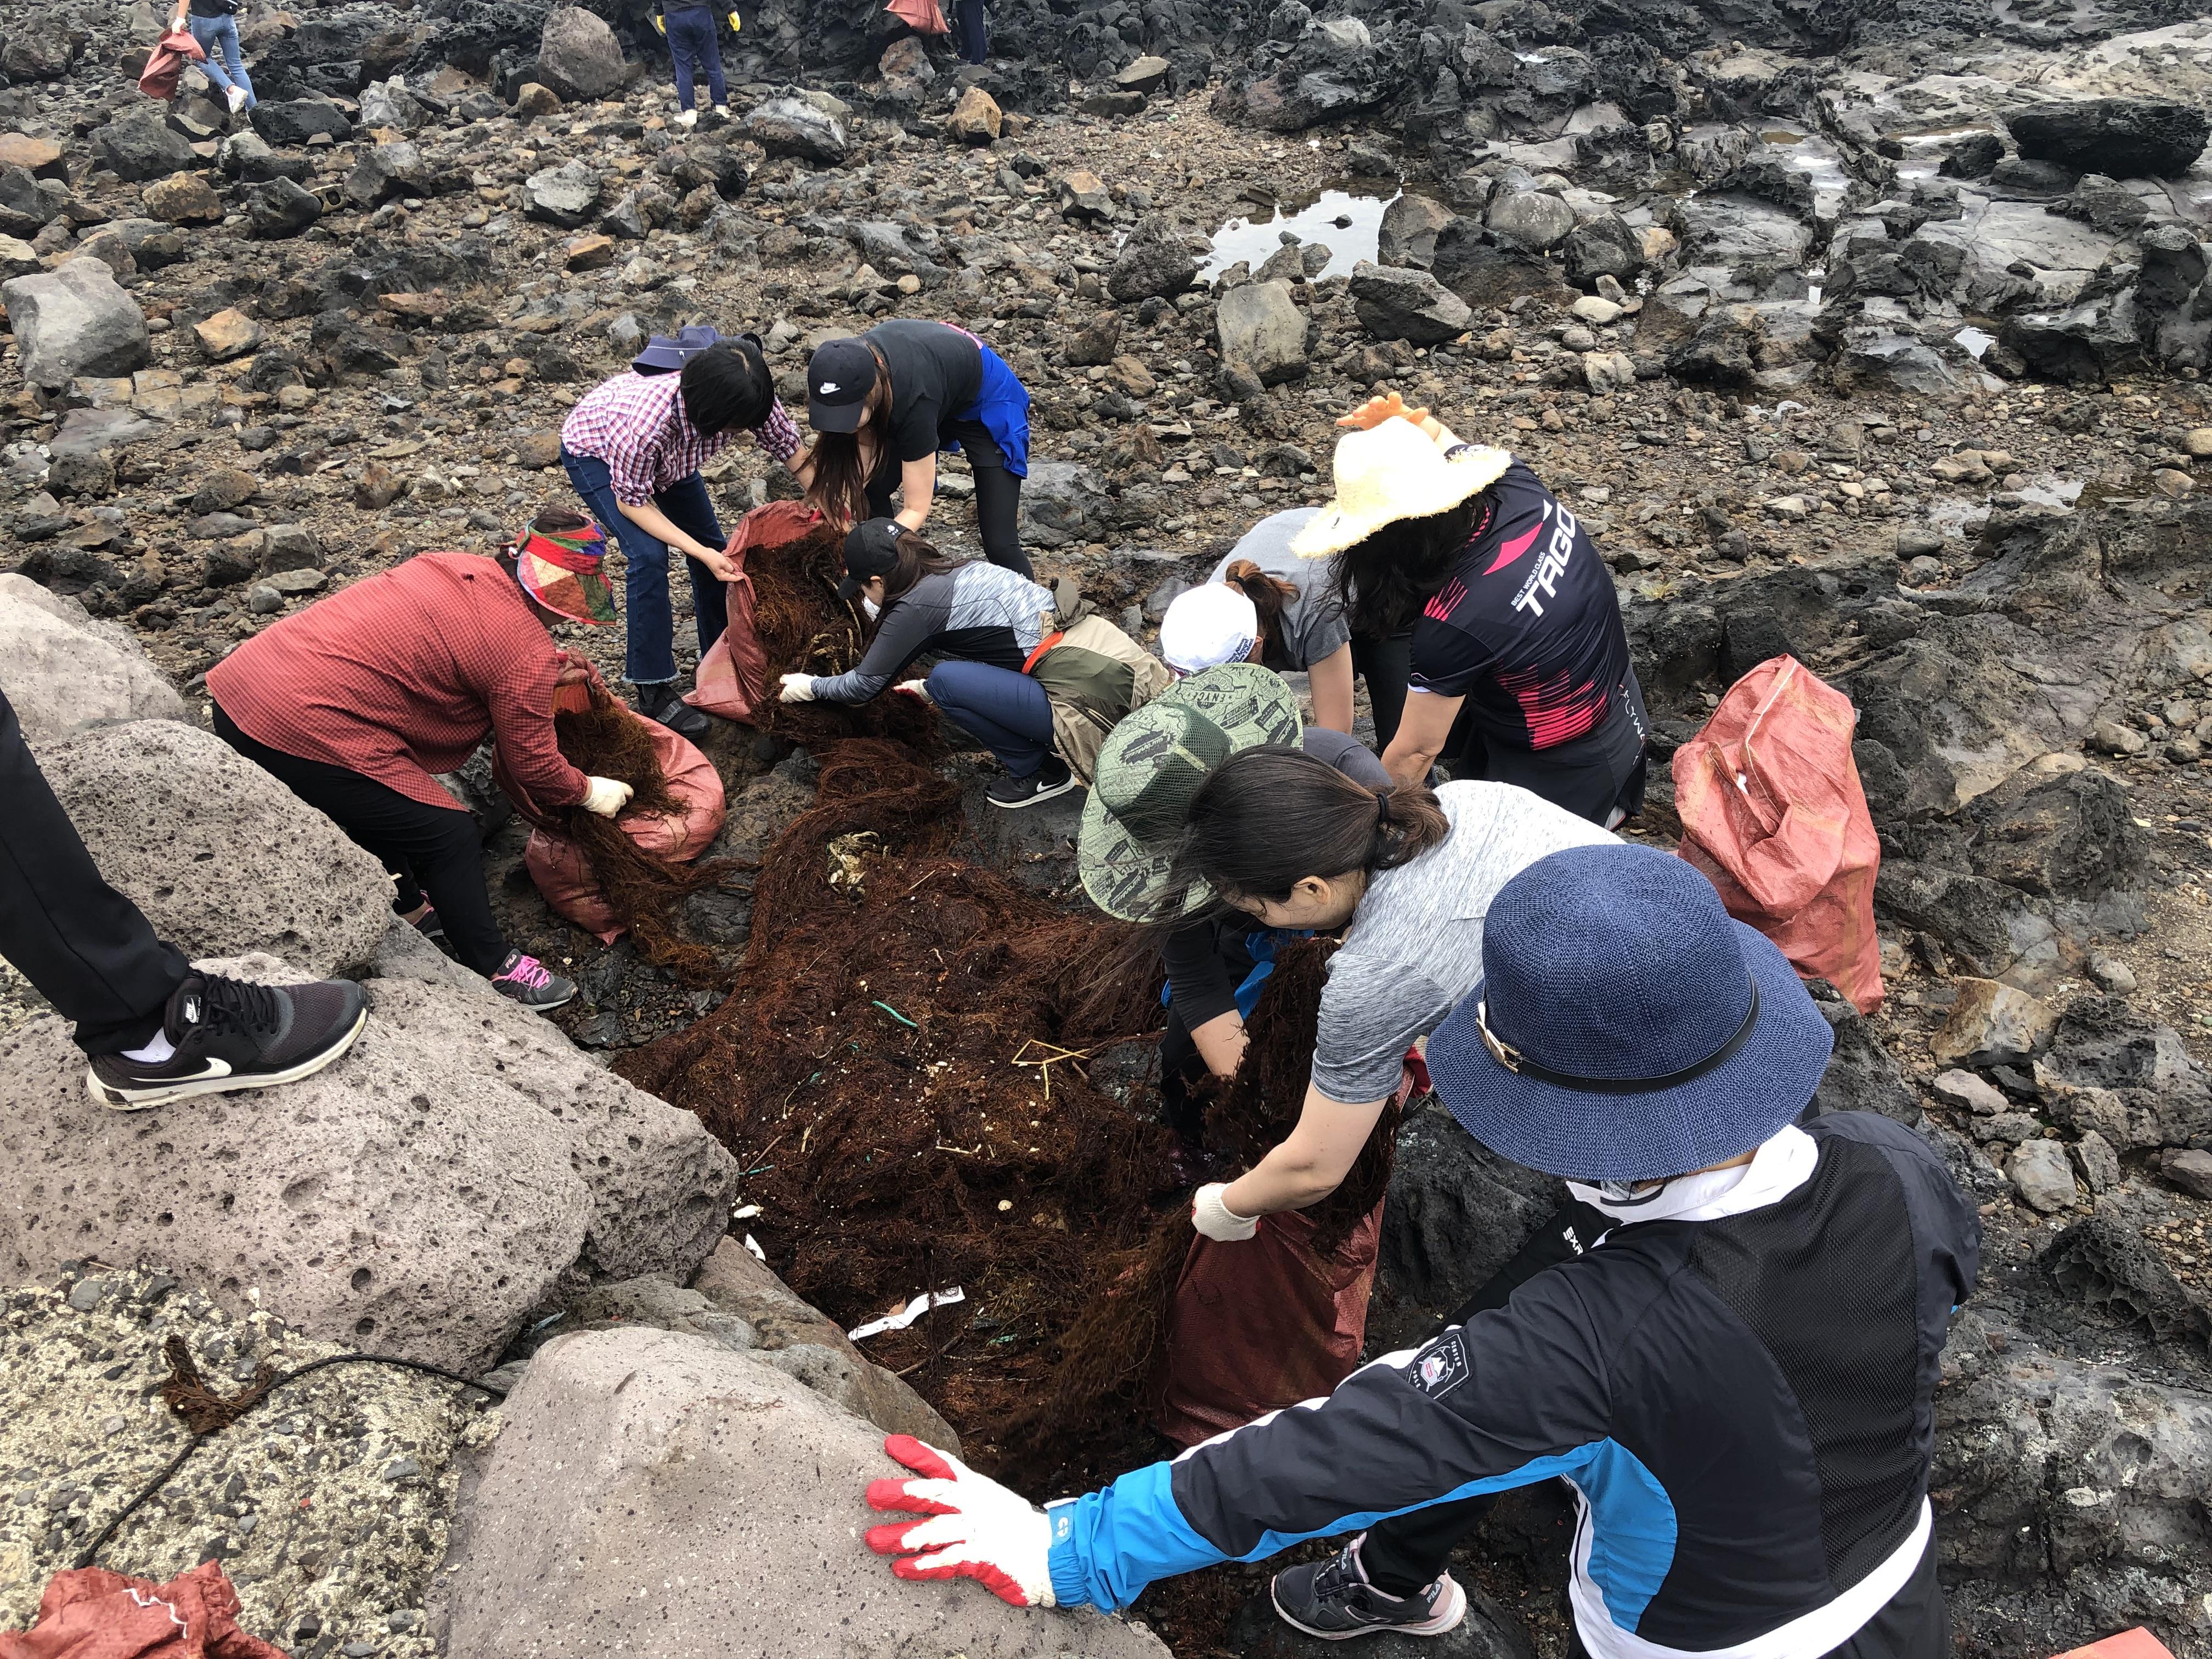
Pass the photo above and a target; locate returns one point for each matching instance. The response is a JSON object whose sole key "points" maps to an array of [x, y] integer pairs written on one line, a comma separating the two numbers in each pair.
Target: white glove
{"points": [[978, 1528], [915, 688], [606, 796], [797, 687], [1216, 1219]]}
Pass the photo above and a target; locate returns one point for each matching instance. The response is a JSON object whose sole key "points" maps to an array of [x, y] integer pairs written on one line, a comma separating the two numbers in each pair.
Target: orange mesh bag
{"points": [[733, 676], [1773, 814], [92, 1613]]}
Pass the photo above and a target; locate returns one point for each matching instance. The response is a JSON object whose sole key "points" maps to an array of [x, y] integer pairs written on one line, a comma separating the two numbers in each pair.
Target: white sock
{"points": [[154, 1053]]}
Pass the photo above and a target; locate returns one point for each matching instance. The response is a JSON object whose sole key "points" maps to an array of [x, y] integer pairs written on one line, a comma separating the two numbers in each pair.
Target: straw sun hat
{"points": [[1394, 472]]}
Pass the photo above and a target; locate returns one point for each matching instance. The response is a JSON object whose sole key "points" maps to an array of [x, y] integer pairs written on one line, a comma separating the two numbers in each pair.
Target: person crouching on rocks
{"points": [[1517, 661], [1737, 1378], [883, 405], [633, 448], [1038, 677], [1263, 604], [357, 703]]}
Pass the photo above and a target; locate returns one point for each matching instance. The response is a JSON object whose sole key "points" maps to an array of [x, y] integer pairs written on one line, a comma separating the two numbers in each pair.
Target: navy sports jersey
{"points": [[1528, 629]]}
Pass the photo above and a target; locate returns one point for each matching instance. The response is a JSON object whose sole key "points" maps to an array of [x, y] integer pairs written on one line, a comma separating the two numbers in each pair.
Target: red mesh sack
{"points": [[1262, 1323], [732, 678], [563, 874], [1773, 814], [166, 66], [93, 1613], [924, 16]]}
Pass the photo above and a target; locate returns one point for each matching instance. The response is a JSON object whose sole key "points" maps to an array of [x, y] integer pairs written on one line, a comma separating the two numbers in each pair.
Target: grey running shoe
{"points": [[1334, 1601], [230, 1035], [529, 981]]}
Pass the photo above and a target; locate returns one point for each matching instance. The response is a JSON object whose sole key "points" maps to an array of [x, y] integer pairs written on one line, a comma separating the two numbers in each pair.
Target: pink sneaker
{"points": [[529, 982]]}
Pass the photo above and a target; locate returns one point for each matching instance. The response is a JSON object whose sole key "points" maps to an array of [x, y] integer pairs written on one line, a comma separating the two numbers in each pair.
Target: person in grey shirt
{"points": [[1407, 876], [1263, 604]]}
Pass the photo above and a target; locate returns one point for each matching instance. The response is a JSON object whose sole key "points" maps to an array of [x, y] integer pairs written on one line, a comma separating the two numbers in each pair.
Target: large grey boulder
{"points": [[1397, 304], [282, 208], [460, 1167], [578, 55], [1408, 233], [1262, 328], [1739, 231], [74, 320], [655, 1492], [222, 857], [1064, 501], [2120, 137], [295, 123], [1156, 262], [1531, 220], [564, 196], [62, 671], [793, 126], [388, 170], [139, 144]]}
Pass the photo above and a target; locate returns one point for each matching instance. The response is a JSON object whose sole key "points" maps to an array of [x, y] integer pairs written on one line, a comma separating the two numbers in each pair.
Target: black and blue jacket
{"points": [[1743, 1406]]}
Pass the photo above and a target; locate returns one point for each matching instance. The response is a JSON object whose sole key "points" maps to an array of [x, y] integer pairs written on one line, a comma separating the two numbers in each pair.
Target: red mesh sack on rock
{"points": [[733, 676], [165, 67], [1264, 1323], [1773, 814], [93, 1613]]}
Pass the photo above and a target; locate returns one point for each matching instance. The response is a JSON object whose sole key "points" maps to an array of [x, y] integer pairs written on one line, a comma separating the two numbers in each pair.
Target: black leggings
{"points": [[431, 852], [998, 496], [88, 948]]}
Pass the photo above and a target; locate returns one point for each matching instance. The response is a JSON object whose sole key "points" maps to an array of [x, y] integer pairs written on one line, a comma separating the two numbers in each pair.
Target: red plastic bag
{"points": [[1773, 814], [165, 67], [564, 875], [732, 678], [93, 1613], [924, 16], [1262, 1323]]}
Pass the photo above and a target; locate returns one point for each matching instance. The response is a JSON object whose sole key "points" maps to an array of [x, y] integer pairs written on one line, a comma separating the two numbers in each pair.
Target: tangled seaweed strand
{"points": [[645, 892]]}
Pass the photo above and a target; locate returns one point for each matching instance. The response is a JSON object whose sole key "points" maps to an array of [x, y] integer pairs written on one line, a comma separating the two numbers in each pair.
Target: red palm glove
{"points": [[978, 1529]]}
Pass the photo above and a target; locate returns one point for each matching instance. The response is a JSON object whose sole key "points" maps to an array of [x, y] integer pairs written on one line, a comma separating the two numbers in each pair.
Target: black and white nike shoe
{"points": [[1048, 781], [1334, 1601], [230, 1035]]}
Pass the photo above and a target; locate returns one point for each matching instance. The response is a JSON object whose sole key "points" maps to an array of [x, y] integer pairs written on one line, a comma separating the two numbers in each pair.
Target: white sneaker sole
{"points": [[1449, 1611], [116, 1101], [540, 1007], [1053, 794]]}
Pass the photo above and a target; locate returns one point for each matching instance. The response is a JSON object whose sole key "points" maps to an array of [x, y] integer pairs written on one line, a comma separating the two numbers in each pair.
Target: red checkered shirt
{"points": [[402, 675], [636, 424]]}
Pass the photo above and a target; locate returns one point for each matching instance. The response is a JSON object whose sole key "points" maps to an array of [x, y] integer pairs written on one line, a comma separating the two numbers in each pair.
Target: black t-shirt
{"points": [[936, 373], [213, 8], [1528, 628]]}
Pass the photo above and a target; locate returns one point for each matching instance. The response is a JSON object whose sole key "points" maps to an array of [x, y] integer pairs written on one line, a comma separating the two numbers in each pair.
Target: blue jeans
{"points": [[218, 37], [691, 34], [975, 44], [1008, 710], [649, 649]]}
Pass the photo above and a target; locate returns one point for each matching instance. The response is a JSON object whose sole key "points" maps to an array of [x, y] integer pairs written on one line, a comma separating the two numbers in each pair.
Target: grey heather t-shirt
{"points": [[1414, 949], [1313, 627]]}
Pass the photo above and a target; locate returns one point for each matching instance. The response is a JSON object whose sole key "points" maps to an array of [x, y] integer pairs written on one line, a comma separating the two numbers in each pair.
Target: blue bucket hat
{"points": [[1627, 1028]]}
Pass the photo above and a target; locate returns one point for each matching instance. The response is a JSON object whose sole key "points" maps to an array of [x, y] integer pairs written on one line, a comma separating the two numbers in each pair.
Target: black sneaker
{"points": [[529, 981], [229, 1035], [1053, 778], [1334, 1601], [663, 703]]}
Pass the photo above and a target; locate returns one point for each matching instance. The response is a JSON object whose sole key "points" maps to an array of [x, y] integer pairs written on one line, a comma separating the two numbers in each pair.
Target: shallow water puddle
{"points": [[1349, 225]]}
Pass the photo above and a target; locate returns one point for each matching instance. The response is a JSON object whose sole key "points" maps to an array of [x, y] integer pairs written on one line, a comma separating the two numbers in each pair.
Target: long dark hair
{"points": [[916, 558], [727, 387], [1383, 581], [841, 480], [1271, 816], [1268, 594]]}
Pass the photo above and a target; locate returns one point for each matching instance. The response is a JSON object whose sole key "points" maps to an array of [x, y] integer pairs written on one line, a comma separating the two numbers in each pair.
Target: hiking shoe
{"points": [[721, 112], [237, 99], [229, 1035], [665, 706], [1053, 778], [689, 117], [1334, 1601], [529, 981]]}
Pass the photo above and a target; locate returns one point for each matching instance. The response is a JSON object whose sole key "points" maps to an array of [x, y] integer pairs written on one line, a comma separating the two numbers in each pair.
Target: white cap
{"points": [[1208, 626]]}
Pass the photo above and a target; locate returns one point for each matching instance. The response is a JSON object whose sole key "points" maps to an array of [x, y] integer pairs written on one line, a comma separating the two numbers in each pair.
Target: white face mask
{"points": [[870, 607]]}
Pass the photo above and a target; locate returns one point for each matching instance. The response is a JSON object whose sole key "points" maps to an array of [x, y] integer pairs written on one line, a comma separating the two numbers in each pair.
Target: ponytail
{"points": [[1271, 816], [1268, 594]]}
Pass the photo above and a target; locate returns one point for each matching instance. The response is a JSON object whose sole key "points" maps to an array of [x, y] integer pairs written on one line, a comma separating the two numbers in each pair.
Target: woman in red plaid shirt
{"points": [[633, 448]]}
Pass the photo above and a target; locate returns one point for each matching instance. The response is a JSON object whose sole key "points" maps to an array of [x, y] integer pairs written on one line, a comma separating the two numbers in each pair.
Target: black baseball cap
{"points": [[839, 378], [871, 551]]}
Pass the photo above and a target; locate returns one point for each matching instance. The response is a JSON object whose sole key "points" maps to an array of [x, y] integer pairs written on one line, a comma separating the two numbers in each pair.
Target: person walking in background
{"points": [[153, 1029], [975, 43], [214, 24], [692, 46]]}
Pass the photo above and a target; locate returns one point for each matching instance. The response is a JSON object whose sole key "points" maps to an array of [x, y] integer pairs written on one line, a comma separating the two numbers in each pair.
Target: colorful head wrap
{"points": [[560, 569]]}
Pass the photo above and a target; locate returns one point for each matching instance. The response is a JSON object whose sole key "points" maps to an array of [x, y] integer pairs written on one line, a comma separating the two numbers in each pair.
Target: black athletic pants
{"points": [[997, 495], [1405, 1553], [87, 948], [431, 852]]}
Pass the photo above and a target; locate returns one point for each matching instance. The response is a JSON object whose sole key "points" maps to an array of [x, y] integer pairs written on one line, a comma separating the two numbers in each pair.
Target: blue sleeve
{"points": [[1107, 1545]]}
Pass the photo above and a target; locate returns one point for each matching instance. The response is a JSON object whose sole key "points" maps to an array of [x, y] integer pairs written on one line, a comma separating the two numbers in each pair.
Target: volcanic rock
{"points": [[1262, 327], [2122, 137], [792, 126], [64, 671], [1155, 261], [1397, 304], [139, 144], [578, 55], [72, 321]]}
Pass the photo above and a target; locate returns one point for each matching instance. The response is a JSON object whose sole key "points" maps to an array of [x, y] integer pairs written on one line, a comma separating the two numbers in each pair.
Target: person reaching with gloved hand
{"points": [[1736, 1377], [359, 701], [693, 46]]}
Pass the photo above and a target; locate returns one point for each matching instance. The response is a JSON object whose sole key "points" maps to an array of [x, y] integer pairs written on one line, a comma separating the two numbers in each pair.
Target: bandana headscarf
{"points": [[560, 569]]}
